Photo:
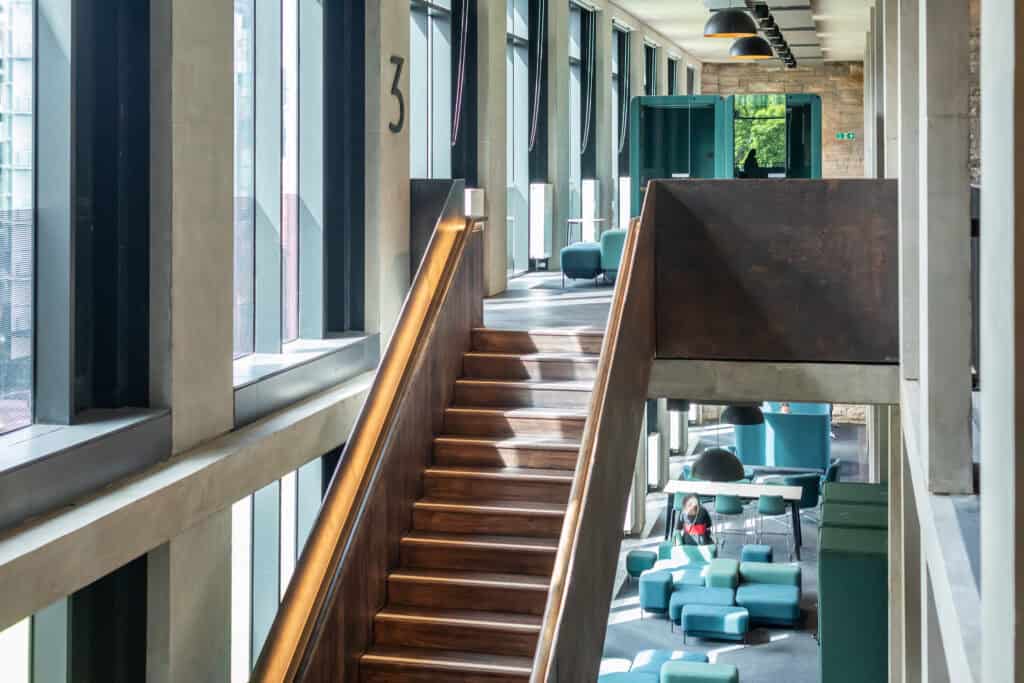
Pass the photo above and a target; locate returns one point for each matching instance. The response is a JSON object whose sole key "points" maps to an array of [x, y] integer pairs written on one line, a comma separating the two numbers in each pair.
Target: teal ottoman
{"points": [[639, 561], [770, 604], [655, 590], [692, 575], [628, 677], [650, 661], [697, 595], [715, 621], [722, 573], [692, 672], [767, 572], [581, 261], [756, 553]]}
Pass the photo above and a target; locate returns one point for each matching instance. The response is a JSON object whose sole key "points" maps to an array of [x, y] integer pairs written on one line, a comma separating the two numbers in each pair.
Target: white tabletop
{"points": [[729, 488]]}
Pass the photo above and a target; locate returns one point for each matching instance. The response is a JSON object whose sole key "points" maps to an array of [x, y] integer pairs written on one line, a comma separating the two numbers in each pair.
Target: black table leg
{"points": [[668, 516], [798, 535]]}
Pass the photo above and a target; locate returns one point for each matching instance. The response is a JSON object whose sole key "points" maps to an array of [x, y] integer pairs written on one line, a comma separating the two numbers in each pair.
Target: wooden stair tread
{"points": [[537, 356], [526, 623], [491, 506], [449, 660], [581, 385], [522, 543], [545, 331], [533, 413], [524, 474], [472, 579], [516, 442]]}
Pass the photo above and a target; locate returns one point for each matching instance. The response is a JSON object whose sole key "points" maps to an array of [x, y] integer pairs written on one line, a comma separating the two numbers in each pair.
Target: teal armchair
{"points": [[612, 243]]}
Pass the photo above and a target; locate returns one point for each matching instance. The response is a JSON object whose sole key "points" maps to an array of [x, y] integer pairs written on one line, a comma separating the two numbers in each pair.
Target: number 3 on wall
{"points": [[399, 62]]}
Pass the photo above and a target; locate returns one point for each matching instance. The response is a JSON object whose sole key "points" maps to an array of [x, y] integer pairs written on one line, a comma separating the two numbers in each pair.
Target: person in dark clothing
{"points": [[694, 525], [750, 165]]}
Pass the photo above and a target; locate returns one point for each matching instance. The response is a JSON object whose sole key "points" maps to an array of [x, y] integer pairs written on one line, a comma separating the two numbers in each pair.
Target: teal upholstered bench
{"points": [[697, 595], [756, 553], [770, 573], [723, 622], [651, 661], [855, 515], [690, 575], [770, 604], [639, 561], [612, 243], [581, 261], [722, 573], [628, 677], [692, 672], [655, 590], [855, 492]]}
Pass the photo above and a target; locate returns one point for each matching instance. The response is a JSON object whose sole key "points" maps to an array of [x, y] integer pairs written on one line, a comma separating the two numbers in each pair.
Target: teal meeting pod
{"points": [[679, 136], [774, 136]]}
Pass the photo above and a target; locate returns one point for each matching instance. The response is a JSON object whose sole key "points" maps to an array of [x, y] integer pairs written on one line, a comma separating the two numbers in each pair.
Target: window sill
{"points": [[59, 463], [268, 382]]}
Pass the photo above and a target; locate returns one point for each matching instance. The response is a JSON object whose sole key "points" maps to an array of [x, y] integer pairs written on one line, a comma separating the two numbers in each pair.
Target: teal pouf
{"points": [[715, 621], [756, 553], [722, 573], [651, 661], [655, 589], [770, 604], [697, 595], [692, 672], [639, 561], [766, 572], [581, 260], [629, 677]]}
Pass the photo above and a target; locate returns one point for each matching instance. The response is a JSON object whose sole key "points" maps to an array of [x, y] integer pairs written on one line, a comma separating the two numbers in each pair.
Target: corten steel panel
{"points": [[777, 270]]}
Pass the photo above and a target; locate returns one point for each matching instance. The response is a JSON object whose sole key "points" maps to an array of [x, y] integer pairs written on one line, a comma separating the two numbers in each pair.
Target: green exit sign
{"points": [[848, 135]]}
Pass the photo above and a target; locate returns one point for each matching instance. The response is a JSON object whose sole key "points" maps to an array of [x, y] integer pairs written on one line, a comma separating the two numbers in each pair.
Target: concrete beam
{"points": [[909, 205], [1002, 340], [491, 148], [744, 381], [944, 213]]}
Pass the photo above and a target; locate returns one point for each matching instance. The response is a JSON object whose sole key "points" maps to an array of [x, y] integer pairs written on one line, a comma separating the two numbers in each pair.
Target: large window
{"points": [[650, 70], [759, 138], [430, 85], [290, 169], [620, 125], [576, 85], [244, 205], [517, 70], [673, 76], [16, 209]]}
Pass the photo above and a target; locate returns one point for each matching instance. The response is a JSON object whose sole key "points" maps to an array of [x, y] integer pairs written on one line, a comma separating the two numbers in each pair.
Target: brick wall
{"points": [[840, 85]]}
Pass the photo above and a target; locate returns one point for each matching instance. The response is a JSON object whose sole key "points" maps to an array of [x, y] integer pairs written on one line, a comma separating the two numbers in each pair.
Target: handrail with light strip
{"points": [[302, 614], [615, 347]]}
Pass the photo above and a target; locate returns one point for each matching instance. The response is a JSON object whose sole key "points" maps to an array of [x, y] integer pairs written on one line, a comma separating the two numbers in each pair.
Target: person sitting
{"points": [[750, 165], [694, 525]]}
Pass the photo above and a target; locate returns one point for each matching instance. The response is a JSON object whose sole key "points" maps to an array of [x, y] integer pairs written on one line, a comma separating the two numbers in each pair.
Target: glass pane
{"points": [[760, 135], [290, 169], [16, 222], [419, 93], [244, 179]]}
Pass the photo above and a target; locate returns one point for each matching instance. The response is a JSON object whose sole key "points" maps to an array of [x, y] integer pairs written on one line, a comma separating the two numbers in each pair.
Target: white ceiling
{"points": [[840, 24]]}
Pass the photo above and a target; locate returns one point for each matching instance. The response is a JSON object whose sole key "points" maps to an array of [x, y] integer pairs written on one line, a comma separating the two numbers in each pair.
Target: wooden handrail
{"points": [[575, 618], [310, 595]]}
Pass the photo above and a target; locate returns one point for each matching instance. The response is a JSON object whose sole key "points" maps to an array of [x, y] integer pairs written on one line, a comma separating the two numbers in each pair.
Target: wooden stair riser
{"points": [[485, 522], [521, 342], [445, 595], [472, 558], [489, 394], [508, 366], [472, 488], [476, 423], [470, 454], [377, 672], [469, 637]]}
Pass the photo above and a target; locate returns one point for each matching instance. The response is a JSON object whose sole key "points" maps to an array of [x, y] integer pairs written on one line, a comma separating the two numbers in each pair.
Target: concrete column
{"points": [[661, 58], [909, 552], [491, 147], [1002, 348], [869, 102], [908, 189], [607, 172], [189, 604], [387, 166], [880, 445], [664, 435], [192, 118], [890, 44], [933, 656], [878, 91], [557, 46], [636, 515], [944, 246]]}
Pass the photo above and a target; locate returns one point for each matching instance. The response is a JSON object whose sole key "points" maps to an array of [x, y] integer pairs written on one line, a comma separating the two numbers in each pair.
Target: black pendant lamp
{"points": [[730, 23], [743, 415], [717, 464], [751, 48]]}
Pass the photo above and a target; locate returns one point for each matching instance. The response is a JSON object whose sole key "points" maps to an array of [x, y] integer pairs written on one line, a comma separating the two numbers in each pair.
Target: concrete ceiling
{"points": [[840, 26]]}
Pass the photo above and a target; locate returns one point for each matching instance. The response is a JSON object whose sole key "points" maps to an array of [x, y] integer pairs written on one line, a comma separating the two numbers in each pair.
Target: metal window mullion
{"points": [[311, 170], [267, 122], [49, 644]]}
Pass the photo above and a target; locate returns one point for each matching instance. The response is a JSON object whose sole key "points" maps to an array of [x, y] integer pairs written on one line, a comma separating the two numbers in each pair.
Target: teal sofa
{"points": [[612, 243]]}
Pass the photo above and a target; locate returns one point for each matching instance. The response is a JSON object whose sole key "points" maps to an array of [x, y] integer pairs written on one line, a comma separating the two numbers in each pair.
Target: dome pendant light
{"points": [[743, 415], [730, 23], [751, 48]]}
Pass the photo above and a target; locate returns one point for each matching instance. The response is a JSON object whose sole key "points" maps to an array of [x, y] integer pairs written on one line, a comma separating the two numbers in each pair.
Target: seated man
{"points": [[694, 525]]}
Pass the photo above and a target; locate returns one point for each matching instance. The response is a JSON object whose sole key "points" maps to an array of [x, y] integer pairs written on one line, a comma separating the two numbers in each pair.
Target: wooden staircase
{"points": [[466, 603]]}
